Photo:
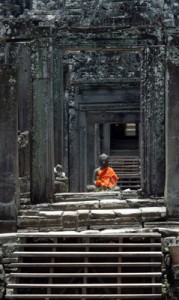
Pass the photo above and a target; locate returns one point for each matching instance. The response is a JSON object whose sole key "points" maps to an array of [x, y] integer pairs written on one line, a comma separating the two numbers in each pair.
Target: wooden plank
{"points": [[87, 285], [78, 245], [82, 254], [83, 235], [71, 265], [58, 275], [93, 296]]}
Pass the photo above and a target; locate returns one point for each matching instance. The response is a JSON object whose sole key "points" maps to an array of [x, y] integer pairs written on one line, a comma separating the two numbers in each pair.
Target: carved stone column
{"points": [[58, 97], [172, 127], [9, 187], [42, 140], [19, 54], [153, 121]]}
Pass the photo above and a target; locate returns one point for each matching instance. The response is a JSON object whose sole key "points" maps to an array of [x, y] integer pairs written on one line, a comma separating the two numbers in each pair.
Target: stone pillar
{"points": [[24, 86], [42, 141], [58, 99], [153, 121], [172, 127], [90, 149], [73, 144], [82, 151], [19, 54], [9, 187]]}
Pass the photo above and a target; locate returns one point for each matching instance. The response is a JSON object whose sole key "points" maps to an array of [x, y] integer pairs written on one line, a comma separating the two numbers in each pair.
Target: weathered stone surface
{"points": [[144, 202], [153, 120], [9, 188], [86, 196], [47, 223], [25, 201], [28, 212], [103, 214], [172, 127], [42, 151], [28, 221], [153, 213], [8, 226], [127, 220], [51, 214], [60, 187], [76, 205], [127, 212], [83, 219], [2, 281], [70, 220], [102, 221], [113, 203], [83, 214], [24, 184], [102, 226], [129, 194]]}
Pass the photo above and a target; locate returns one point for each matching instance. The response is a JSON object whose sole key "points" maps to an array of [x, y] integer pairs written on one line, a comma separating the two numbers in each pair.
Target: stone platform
{"points": [[90, 211]]}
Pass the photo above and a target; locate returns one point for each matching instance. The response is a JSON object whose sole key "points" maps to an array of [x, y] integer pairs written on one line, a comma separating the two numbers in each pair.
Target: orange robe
{"points": [[106, 178]]}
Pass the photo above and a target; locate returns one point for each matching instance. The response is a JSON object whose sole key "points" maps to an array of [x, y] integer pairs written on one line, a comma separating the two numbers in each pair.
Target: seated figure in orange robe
{"points": [[104, 176]]}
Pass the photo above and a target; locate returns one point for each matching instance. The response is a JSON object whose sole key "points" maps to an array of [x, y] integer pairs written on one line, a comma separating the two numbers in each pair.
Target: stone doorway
{"points": [[97, 138], [120, 95], [121, 139]]}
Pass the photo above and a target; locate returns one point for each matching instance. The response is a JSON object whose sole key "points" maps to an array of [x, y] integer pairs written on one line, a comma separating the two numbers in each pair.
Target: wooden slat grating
{"points": [[128, 170], [56, 265]]}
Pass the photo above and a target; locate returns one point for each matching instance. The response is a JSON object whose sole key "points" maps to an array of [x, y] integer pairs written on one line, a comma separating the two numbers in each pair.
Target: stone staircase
{"points": [[91, 211], [86, 265], [128, 170]]}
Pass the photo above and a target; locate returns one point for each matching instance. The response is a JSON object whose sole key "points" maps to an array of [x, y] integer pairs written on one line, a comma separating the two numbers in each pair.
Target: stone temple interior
{"points": [[78, 79]]}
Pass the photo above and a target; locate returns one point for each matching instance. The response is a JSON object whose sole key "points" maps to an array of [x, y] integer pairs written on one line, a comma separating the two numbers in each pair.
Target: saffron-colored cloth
{"points": [[106, 178]]}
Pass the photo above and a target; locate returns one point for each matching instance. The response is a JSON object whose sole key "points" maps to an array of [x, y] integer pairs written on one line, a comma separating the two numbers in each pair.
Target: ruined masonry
{"points": [[77, 79]]}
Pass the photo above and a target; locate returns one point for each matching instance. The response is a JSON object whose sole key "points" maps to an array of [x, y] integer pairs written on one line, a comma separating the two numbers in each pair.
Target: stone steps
{"points": [[84, 211]]}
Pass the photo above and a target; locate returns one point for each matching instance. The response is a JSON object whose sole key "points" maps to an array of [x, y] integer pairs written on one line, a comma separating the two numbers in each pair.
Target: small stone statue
{"points": [[40, 5], [59, 172], [51, 5], [61, 181]]}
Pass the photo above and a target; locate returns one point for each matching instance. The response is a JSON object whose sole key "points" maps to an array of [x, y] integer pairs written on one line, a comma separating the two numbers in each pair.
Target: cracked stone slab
{"points": [[102, 221], [127, 219], [142, 202], [128, 194], [102, 227], [90, 232], [50, 214], [113, 203], [103, 214], [127, 212], [70, 219], [28, 222], [70, 214], [83, 214], [76, 205], [86, 196], [28, 212], [49, 223], [151, 213]]}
